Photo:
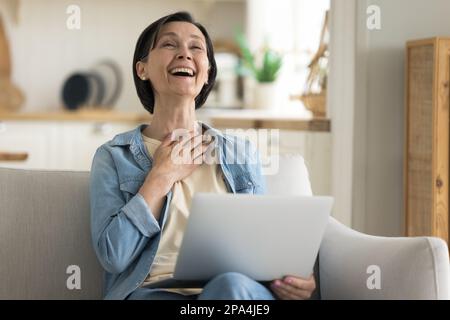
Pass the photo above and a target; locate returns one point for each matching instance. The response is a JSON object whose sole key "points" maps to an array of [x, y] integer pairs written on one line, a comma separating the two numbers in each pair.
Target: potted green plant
{"points": [[264, 67]]}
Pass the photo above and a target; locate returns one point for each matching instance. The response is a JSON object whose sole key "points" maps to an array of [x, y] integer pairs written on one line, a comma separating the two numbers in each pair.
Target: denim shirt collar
{"points": [[134, 137]]}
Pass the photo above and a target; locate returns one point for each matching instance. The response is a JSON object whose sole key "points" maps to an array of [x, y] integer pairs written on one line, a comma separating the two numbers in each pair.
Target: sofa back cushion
{"points": [[291, 176], [45, 236]]}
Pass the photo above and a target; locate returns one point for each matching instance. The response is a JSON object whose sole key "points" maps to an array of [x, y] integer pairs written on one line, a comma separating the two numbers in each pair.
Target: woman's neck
{"points": [[170, 116]]}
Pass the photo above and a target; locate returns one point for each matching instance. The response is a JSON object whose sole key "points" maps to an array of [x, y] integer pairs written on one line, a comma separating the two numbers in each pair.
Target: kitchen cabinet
{"points": [[83, 139], [56, 145], [35, 139]]}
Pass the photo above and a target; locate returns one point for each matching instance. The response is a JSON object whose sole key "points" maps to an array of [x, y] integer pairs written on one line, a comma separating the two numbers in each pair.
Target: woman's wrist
{"points": [[154, 189], [156, 185]]}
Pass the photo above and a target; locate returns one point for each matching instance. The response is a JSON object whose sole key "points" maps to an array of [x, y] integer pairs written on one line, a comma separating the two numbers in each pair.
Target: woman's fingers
{"points": [[183, 136], [308, 284], [190, 148], [279, 294], [283, 294], [195, 142], [198, 152], [298, 293], [167, 140], [179, 149], [292, 291]]}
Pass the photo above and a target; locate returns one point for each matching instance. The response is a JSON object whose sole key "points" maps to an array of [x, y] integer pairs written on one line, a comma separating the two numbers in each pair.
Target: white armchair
{"points": [[407, 268], [44, 230]]}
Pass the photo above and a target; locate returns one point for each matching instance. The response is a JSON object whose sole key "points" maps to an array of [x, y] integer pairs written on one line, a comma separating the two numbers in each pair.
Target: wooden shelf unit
{"points": [[426, 166]]}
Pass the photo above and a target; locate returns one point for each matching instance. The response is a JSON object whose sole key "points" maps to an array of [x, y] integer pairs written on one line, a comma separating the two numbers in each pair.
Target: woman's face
{"points": [[178, 63]]}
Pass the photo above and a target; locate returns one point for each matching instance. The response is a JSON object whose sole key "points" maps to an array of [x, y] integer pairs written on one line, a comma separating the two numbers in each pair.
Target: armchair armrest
{"points": [[351, 263]]}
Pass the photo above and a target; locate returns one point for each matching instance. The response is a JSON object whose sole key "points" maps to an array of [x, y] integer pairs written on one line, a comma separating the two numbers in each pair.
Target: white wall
{"points": [[45, 52], [340, 106], [379, 109]]}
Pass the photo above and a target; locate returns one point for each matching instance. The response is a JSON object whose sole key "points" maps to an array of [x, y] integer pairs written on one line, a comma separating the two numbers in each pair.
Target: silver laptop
{"points": [[265, 237]]}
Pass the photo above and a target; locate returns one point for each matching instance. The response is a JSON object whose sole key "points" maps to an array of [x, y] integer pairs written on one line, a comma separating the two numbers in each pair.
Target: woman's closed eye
{"points": [[168, 45], [196, 46], [172, 45]]}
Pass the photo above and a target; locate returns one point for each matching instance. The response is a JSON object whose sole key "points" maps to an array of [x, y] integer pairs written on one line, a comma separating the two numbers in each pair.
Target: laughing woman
{"points": [[140, 196]]}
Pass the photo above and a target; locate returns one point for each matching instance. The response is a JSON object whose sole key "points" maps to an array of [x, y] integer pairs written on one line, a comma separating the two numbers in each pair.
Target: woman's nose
{"points": [[184, 53], [184, 56]]}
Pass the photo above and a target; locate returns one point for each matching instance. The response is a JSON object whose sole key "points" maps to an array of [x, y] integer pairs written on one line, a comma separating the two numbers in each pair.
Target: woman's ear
{"points": [[140, 70]]}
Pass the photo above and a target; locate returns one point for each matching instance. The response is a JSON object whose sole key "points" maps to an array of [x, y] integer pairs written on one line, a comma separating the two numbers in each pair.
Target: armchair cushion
{"points": [[408, 268]]}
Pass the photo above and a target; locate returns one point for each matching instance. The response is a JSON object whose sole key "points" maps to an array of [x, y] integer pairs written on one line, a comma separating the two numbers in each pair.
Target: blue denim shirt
{"points": [[124, 231]]}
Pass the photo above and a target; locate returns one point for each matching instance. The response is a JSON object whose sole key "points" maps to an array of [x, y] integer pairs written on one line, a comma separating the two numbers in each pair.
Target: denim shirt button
{"points": [[249, 183]]}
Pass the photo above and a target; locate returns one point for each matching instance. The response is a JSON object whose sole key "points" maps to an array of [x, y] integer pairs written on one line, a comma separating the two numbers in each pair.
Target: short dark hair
{"points": [[146, 42]]}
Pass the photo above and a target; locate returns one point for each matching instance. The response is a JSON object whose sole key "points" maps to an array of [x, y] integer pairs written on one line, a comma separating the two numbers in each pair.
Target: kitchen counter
{"points": [[79, 115], [220, 118], [260, 119]]}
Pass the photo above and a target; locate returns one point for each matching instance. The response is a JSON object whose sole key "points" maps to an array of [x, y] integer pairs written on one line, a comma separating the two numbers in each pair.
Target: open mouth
{"points": [[182, 72]]}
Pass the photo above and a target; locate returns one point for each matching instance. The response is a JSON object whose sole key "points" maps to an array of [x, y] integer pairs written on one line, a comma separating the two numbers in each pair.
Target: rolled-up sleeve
{"points": [[120, 230], [141, 216]]}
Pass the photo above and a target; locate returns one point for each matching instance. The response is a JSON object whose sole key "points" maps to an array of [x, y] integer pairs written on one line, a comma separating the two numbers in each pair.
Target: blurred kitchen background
{"points": [[45, 52], [338, 98], [66, 83]]}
